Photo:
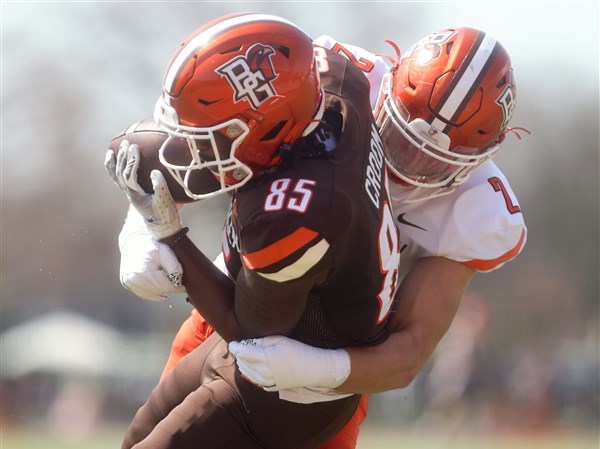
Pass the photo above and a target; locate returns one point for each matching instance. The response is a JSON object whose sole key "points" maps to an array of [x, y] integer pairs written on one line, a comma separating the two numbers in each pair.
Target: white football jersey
{"points": [[479, 224]]}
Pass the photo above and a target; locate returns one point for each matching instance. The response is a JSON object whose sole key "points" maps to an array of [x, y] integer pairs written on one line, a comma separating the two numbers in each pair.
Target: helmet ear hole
{"points": [[204, 102], [502, 82], [273, 132], [411, 85], [449, 47], [285, 51], [232, 50]]}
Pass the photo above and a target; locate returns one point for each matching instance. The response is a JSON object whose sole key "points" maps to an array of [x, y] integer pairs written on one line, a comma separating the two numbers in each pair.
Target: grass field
{"points": [[370, 438], [373, 438]]}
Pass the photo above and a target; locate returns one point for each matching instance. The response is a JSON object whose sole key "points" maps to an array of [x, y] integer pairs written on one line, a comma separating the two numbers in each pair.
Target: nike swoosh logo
{"points": [[408, 223]]}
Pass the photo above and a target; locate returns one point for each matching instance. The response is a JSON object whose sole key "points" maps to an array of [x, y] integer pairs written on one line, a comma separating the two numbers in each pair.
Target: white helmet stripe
{"points": [[465, 83], [207, 35]]}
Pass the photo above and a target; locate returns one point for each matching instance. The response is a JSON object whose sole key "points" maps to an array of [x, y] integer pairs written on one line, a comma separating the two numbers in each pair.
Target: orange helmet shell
{"points": [[254, 68], [444, 108], [461, 81]]}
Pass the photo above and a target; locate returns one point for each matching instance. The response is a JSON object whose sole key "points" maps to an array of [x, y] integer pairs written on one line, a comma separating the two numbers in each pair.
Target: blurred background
{"points": [[520, 365]]}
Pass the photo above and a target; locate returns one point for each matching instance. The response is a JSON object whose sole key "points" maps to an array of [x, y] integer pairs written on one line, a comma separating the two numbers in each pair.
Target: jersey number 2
{"points": [[498, 186]]}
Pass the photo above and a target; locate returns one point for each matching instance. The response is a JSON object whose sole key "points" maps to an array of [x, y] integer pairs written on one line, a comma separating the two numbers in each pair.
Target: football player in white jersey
{"points": [[442, 109]]}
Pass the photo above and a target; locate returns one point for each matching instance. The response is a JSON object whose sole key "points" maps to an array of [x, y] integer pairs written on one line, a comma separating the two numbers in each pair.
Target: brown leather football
{"points": [[149, 138]]}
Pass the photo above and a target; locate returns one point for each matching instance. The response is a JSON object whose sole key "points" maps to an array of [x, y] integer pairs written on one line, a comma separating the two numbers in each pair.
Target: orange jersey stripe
{"points": [[488, 265], [280, 249]]}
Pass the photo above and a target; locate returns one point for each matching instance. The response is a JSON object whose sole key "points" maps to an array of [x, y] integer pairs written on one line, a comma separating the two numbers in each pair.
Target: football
{"points": [[149, 138]]}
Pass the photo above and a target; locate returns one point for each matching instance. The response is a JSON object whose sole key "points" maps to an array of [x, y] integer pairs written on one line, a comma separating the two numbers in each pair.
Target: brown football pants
{"points": [[205, 403]]}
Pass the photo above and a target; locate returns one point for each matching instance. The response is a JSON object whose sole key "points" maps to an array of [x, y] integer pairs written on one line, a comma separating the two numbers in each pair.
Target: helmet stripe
{"points": [[466, 81], [207, 35], [476, 83], [464, 64]]}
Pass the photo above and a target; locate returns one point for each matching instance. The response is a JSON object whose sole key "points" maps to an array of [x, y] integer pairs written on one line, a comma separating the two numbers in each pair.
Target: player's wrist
{"points": [[173, 240]]}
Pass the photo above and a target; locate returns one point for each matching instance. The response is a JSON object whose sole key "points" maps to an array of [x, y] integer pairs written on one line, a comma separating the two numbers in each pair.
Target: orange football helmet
{"points": [[237, 89], [444, 108]]}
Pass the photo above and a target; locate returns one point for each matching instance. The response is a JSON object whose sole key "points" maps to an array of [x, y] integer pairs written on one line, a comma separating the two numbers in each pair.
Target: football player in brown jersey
{"points": [[310, 241]]}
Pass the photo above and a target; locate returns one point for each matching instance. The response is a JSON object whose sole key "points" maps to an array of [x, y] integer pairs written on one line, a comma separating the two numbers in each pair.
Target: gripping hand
{"points": [[158, 209], [276, 363], [149, 269]]}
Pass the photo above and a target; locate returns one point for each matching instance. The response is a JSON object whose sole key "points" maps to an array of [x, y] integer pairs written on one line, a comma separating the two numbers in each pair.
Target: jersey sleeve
{"points": [[280, 252], [490, 208], [499, 239], [373, 66], [480, 224]]}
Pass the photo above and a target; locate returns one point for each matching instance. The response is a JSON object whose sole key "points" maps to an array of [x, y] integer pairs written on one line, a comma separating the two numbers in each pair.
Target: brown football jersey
{"points": [[327, 209]]}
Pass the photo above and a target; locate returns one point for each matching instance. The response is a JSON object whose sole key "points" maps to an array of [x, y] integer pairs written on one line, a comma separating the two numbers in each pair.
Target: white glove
{"points": [[158, 209], [276, 363], [149, 269]]}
